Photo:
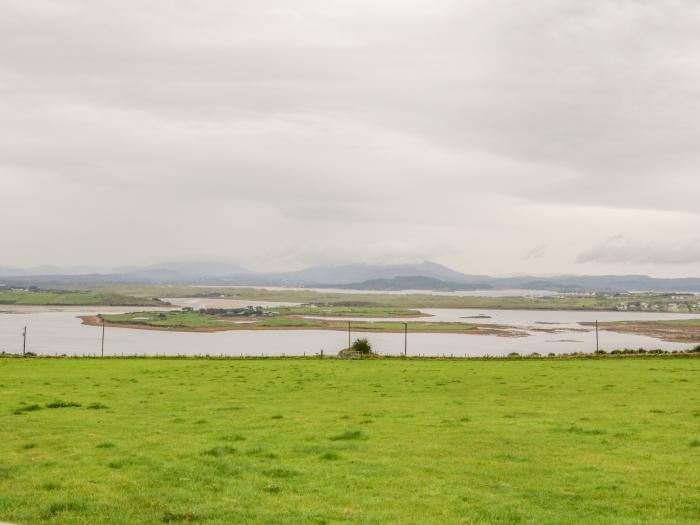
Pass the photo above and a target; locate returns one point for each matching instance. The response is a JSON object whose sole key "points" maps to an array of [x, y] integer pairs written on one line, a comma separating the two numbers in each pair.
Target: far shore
{"points": [[497, 330]]}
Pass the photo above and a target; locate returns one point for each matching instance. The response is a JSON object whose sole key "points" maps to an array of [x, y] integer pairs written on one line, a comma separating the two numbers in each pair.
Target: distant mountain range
{"points": [[409, 282], [421, 276]]}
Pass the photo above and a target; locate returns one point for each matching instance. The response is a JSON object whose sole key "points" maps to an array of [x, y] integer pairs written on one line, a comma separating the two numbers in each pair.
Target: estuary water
{"points": [[59, 331]]}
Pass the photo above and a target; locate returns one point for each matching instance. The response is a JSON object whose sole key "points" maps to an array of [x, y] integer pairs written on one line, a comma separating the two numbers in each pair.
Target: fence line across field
{"points": [[405, 343]]}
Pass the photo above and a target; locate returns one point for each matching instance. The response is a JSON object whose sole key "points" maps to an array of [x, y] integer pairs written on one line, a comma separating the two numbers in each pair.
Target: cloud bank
{"points": [[276, 133]]}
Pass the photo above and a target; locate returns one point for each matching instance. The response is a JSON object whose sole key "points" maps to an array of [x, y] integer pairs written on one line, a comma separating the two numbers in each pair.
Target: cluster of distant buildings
{"points": [[641, 306], [248, 311]]}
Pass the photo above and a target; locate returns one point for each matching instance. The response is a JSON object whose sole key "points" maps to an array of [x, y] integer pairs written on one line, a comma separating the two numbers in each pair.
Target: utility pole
{"points": [[597, 340], [103, 338], [405, 340], [349, 344], [24, 343]]}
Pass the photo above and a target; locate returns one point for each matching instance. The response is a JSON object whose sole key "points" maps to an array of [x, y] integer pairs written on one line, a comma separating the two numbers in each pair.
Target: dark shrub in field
{"points": [[62, 404], [28, 408], [362, 346]]}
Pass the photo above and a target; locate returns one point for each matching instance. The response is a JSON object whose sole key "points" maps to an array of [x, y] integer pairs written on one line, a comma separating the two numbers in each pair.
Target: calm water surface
{"points": [[61, 332]]}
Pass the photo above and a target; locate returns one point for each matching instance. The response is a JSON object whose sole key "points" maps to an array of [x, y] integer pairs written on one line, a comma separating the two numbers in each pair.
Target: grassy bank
{"points": [[203, 322], [677, 331], [347, 311], [654, 302], [388, 441], [73, 298]]}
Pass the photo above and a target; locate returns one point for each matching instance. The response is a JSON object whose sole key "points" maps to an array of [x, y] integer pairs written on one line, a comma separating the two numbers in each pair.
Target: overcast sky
{"points": [[494, 136]]}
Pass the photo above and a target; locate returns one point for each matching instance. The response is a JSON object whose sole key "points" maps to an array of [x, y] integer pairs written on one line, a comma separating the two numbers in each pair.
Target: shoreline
{"points": [[497, 330], [658, 330], [603, 356]]}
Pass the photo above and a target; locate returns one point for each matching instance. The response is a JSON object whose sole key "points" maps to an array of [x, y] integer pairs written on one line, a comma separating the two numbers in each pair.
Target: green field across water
{"points": [[304, 441], [203, 321], [73, 298]]}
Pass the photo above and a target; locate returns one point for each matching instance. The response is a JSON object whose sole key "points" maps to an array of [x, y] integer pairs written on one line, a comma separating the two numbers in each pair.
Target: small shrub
{"points": [[96, 406], [695, 443], [105, 445], [28, 446], [362, 346], [330, 456], [62, 404], [28, 408]]}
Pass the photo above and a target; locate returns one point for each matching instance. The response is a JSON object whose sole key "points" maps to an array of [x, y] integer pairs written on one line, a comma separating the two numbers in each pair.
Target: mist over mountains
{"points": [[426, 275]]}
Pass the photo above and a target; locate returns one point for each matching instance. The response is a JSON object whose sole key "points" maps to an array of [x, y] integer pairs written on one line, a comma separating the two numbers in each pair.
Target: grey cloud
{"points": [[426, 122], [622, 250], [536, 253]]}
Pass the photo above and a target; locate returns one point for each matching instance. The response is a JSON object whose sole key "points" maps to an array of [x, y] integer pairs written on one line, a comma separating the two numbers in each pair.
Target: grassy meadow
{"points": [[347, 311], [304, 441], [658, 302], [73, 298], [201, 321]]}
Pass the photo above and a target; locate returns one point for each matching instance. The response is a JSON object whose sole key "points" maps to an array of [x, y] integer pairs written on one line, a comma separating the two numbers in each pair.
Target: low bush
{"points": [[362, 346], [28, 408], [62, 404]]}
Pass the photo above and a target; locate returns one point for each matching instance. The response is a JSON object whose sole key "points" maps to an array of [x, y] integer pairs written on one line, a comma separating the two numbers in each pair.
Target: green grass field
{"points": [[73, 298], [655, 301], [142, 441], [193, 321], [347, 311], [175, 319]]}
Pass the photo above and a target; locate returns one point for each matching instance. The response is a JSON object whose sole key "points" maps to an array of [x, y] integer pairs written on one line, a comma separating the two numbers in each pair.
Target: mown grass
{"points": [[367, 442]]}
